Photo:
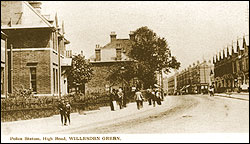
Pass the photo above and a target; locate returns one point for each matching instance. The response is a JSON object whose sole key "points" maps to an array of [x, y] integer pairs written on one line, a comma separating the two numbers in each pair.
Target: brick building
{"points": [[232, 67], [112, 54], [34, 41]]}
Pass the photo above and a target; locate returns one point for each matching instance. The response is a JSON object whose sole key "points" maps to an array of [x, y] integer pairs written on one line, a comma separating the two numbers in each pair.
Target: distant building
{"points": [[172, 84], [112, 54], [165, 85], [33, 62], [232, 67], [196, 78]]}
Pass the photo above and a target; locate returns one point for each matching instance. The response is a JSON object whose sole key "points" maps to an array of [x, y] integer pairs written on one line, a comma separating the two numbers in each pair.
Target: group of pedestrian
{"points": [[64, 109], [117, 99], [153, 97]]}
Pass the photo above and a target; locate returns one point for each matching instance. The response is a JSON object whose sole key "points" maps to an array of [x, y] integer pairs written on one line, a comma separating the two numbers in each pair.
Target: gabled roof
{"points": [[247, 40], [235, 47], [241, 43], [38, 14]]}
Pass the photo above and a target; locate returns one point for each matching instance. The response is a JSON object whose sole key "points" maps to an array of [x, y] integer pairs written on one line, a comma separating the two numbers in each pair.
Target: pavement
{"points": [[53, 124], [95, 118], [240, 96]]}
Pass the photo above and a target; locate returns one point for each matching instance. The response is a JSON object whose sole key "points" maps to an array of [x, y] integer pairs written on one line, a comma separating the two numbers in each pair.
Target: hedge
{"points": [[23, 108]]}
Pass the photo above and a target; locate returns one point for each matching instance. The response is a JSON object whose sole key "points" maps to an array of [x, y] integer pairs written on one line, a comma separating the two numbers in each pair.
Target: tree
{"points": [[79, 73], [118, 75], [152, 54]]}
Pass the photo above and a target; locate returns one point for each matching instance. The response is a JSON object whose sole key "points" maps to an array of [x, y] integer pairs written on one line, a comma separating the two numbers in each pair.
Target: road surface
{"points": [[177, 114]]}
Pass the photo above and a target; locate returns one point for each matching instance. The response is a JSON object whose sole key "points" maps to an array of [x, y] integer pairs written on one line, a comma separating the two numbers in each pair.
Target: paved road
{"points": [[177, 114]]}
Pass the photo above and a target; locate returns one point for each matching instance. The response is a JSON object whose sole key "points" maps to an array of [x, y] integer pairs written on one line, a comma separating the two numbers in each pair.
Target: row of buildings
{"points": [[33, 50], [229, 72], [194, 79], [231, 67]]}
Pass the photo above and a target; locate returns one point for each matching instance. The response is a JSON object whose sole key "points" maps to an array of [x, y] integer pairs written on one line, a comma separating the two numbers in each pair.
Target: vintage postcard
{"points": [[124, 71]]}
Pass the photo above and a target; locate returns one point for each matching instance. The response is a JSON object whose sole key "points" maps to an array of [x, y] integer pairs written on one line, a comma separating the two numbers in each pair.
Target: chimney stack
{"points": [[36, 5], [118, 52], [112, 36], [98, 53], [131, 35]]}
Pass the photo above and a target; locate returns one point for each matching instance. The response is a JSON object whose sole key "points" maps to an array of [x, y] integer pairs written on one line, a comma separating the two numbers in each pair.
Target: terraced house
{"points": [[232, 67], [35, 42]]}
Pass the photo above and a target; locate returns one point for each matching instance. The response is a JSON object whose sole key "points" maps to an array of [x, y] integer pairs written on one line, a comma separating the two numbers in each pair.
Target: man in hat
{"points": [[62, 110], [67, 111]]}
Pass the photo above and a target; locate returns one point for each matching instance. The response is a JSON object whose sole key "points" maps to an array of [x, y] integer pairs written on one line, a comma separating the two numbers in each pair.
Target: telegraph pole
{"points": [[6, 70], [11, 68], [59, 58]]}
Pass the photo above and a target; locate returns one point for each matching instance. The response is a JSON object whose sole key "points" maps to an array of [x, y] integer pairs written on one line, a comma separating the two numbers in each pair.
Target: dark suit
{"points": [[62, 110]]}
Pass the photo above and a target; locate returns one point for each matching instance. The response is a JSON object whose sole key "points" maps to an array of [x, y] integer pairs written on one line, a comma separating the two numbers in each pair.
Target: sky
{"points": [[194, 30]]}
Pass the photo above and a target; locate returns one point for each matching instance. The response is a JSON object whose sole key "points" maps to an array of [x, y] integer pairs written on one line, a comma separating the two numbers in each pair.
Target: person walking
{"points": [[67, 111], [149, 96], [158, 97], [112, 99], [125, 94], [62, 110], [154, 99], [212, 90], [120, 97], [116, 102], [138, 98]]}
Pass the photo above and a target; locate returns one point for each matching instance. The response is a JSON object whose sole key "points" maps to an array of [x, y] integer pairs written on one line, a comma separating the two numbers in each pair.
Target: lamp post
{"points": [[122, 72]]}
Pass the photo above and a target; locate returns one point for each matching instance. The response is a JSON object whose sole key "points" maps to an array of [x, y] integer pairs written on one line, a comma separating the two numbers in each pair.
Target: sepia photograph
{"points": [[124, 71]]}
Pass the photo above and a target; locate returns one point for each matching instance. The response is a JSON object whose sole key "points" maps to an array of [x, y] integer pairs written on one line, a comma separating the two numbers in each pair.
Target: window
{"points": [[54, 80], [33, 79]]}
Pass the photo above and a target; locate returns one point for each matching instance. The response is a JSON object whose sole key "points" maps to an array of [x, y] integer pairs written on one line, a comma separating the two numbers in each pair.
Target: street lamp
{"points": [[122, 72]]}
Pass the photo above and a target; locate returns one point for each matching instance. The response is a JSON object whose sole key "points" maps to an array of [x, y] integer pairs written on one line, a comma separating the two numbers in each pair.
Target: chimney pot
{"points": [[131, 35], [97, 46], [98, 53], [36, 5], [113, 36]]}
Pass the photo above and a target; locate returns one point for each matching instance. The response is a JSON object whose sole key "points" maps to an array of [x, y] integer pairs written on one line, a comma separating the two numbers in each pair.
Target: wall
{"points": [[21, 72], [98, 81]]}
